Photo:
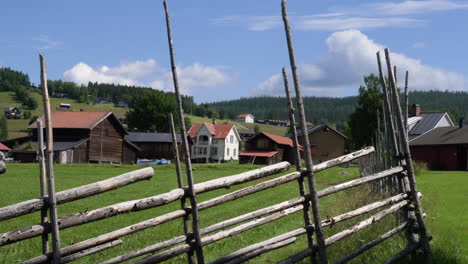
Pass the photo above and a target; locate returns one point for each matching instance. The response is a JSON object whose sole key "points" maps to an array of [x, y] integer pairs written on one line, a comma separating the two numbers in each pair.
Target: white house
{"points": [[246, 118], [214, 142]]}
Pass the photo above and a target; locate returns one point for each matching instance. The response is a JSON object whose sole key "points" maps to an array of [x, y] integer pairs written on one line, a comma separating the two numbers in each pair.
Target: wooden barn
{"points": [[326, 142], [268, 149], [443, 148], [155, 145], [81, 137]]}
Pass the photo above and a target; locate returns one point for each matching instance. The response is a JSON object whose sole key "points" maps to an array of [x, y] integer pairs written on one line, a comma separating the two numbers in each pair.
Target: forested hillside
{"points": [[337, 110]]}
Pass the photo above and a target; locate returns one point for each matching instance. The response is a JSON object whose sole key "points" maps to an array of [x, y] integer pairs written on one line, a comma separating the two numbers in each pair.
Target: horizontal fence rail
{"points": [[227, 228]]}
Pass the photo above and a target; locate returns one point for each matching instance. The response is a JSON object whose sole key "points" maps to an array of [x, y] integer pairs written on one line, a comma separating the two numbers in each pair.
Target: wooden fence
{"points": [[391, 161]]}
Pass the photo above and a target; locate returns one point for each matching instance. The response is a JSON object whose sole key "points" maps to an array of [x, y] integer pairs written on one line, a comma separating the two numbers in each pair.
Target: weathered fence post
{"points": [[297, 161], [307, 153], [42, 182], [180, 183], [50, 165], [406, 104], [409, 165], [188, 164]]}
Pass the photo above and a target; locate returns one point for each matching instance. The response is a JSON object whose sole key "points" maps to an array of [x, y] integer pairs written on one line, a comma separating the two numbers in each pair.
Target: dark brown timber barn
{"points": [[268, 149], [155, 145], [81, 137]]}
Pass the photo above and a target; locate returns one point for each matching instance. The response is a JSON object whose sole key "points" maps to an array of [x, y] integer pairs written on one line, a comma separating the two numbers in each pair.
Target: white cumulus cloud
{"points": [[352, 55], [149, 73]]}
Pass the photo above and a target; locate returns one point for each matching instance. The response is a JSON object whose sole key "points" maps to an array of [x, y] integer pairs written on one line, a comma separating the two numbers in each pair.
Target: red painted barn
{"points": [[443, 148]]}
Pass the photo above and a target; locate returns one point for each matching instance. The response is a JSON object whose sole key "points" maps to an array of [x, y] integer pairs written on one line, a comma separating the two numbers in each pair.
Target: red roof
{"points": [[243, 115], [281, 140], [84, 120], [4, 148], [219, 131], [258, 153]]}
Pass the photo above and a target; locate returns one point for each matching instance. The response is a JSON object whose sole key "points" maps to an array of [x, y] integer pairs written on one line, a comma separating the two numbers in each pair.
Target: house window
{"points": [[203, 140], [232, 139], [214, 151], [204, 151], [227, 152], [234, 152]]}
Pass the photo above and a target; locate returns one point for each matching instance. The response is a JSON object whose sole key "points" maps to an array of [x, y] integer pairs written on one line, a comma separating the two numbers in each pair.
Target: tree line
{"points": [[18, 82]]}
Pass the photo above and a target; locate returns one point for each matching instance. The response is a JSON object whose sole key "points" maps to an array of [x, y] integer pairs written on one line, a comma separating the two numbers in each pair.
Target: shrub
{"points": [[419, 167]]}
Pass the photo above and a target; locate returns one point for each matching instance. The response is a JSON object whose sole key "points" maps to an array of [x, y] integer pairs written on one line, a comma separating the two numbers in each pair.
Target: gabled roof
{"points": [[258, 153], [151, 137], [80, 120], [442, 136], [217, 131], [244, 115], [318, 128], [281, 140], [427, 122], [4, 148]]}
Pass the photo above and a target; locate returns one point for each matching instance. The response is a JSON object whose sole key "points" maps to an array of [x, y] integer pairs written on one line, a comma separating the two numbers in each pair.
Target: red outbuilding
{"points": [[443, 148]]}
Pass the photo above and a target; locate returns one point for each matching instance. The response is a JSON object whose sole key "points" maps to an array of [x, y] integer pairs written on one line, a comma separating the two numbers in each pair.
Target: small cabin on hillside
{"points": [[268, 149], [155, 145], [326, 142], [81, 137], [245, 118], [12, 113]]}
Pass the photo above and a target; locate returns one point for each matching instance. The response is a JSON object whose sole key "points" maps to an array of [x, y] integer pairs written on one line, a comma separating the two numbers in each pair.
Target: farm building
{"points": [[268, 149], [420, 123], [326, 142], [81, 137], [246, 133], [12, 113], [245, 118], [214, 142], [4, 148], [155, 145], [443, 148]]}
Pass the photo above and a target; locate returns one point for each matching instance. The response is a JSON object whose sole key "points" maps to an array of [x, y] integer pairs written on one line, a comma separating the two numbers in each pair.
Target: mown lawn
{"points": [[443, 201]]}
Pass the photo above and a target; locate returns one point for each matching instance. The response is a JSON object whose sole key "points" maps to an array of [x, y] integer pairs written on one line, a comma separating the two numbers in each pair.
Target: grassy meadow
{"points": [[444, 202]]}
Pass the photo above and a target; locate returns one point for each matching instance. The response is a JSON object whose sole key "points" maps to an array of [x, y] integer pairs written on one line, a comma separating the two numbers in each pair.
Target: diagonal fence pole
{"points": [[409, 164], [180, 183], [297, 161], [307, 154], [188, 165], [42, 182], [50, 165]]}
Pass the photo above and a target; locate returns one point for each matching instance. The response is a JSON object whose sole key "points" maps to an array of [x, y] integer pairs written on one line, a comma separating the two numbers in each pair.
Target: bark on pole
{"points": [[50, 165], [307, 153], [188, 164], [42, 181], [180, 182], [409, 166], [297, 160], [406, 103]]}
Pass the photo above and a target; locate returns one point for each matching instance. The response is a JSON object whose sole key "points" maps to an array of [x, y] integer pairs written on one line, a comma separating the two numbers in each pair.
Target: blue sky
{"points": [[232, 49]]}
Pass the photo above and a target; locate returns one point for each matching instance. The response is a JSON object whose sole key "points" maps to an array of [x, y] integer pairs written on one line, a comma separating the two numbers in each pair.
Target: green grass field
{"points": [[444, 201]]}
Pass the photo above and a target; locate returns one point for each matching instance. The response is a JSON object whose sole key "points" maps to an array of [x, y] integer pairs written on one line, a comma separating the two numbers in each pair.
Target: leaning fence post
{"points": [[409, 165], [406, 104], [188, 164], [180, 183], [42, 182], [307, 155], [49, 165], [297, 160]]}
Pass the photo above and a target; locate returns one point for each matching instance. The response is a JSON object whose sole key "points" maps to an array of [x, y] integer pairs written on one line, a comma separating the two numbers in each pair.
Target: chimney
{"points": [[461, 122], [415, 110], [213, 121]]}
